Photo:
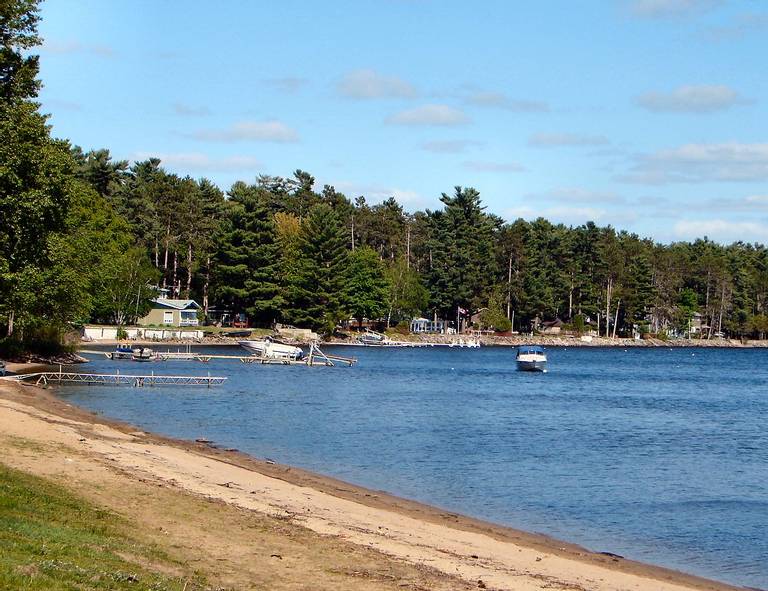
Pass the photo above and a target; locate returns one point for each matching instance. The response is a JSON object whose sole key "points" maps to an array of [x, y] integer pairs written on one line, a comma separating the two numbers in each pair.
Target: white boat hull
{"points": [[271, 350]]}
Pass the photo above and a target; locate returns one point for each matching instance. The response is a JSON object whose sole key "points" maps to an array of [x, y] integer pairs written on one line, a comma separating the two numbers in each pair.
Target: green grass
{"points": [[52, 540]]}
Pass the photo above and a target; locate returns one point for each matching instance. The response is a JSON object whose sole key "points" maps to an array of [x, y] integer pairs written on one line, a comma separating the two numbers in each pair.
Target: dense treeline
{"points": [[85, 237]]}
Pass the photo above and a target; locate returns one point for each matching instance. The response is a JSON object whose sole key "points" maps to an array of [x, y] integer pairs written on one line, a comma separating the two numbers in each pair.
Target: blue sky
{"points": [[649, 115]]}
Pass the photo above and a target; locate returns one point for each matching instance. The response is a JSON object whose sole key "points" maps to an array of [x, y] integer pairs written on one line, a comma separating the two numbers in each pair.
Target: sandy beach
{"points": [[251, 523]]}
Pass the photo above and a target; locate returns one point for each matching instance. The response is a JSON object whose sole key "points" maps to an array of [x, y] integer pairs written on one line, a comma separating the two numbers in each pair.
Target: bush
{"points": [[403, 327], [121, 333], [44, 341]]}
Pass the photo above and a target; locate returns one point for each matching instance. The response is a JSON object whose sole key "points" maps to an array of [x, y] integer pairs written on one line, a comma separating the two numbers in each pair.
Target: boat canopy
{"points": [[530, 349]]}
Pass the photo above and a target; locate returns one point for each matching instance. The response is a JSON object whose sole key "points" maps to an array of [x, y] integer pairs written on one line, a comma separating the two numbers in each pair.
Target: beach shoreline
{"points": [[459, 550]]}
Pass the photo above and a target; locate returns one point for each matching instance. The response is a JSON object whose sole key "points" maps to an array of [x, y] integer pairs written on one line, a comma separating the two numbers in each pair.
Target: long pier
{"points": [[117, 379]]}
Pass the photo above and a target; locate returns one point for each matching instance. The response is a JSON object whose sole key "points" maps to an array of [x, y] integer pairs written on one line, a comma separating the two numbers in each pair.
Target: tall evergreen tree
{"points": [[245, 265], [367, 286], [316, 293]]}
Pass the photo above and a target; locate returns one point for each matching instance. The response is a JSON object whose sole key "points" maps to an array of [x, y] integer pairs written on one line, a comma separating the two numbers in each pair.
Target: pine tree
{"points": [[316, 292], [367, 286], [245, 264]]}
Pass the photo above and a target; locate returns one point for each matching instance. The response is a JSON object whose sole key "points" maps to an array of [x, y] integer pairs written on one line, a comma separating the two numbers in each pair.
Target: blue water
{"points": [[656, 454]]}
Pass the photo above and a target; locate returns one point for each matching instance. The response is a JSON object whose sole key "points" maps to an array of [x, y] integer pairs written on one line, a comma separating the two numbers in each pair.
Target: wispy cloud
{"points": [[554, 140], [450, 146], [577, 195], [244, 131], [739, 27], [722, 230], [378, 193], [485, 166], [190, 110], [694, 163], [286, 85], [691, 99], [186, 162], [68, 47], [369, 84], [671, 8], [438, 115], [499, 100]]}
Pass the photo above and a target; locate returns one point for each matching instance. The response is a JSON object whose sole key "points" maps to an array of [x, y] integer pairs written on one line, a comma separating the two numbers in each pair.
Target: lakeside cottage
{"points": [[424, 325], [168, 312]]}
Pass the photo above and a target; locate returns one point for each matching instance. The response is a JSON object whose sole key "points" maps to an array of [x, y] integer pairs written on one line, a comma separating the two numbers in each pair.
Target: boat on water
{"points": [[531, 358], [271, 349], [121, 352], [372, 338], [143, 354]]}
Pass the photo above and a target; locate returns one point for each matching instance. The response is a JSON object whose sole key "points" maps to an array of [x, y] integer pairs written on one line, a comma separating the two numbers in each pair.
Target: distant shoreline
{"points": [[488, 340]]}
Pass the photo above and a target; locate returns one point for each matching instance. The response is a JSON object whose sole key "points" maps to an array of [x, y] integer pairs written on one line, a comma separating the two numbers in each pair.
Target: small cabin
{"points": [[552, 327], [168, 312], [424, 325]]}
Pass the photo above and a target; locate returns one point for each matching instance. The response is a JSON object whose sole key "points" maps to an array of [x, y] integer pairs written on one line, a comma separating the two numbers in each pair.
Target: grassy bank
{"points": [[53, 540]]}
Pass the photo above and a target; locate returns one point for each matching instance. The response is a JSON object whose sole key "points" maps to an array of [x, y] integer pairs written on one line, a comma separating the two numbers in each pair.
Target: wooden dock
{"points": [[99, 379]]}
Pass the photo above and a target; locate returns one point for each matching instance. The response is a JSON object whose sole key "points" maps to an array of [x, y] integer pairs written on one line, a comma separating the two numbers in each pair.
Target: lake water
{"points": [[660, 455]]}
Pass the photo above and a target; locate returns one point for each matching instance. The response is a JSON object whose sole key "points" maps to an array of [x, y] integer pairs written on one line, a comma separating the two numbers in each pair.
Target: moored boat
{"points": [[122, 352], [270, 349], [531, 358], [143, 354]]}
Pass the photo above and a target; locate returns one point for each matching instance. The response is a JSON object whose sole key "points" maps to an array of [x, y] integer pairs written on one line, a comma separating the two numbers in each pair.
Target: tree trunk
{"points": [[353, 233], [616, 320], [157, 253], [570, 300], [509, 285], [189, 269], [205, 285], [175, 267], [408, 247], [608, 307], [11, 315]]}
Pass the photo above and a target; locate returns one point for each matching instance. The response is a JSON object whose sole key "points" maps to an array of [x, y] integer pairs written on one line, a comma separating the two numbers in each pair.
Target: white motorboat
{"points": [[143, 354], [270, 349], [531, 358]]}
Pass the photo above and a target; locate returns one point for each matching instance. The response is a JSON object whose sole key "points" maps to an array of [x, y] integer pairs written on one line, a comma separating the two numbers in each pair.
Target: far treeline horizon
{"points": [[83, 238]]}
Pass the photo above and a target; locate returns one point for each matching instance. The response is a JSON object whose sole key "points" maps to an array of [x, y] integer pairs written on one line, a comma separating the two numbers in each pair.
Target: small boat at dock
{"points": [[270, 349], [143, 354], [121, 352], [531, 358]]}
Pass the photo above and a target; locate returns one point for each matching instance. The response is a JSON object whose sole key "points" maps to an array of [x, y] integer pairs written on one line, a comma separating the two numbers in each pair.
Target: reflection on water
{"points": [[660, 455]]}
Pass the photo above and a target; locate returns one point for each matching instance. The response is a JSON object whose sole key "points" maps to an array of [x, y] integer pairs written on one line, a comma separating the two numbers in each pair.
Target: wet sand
{"points": [[400, 543]]}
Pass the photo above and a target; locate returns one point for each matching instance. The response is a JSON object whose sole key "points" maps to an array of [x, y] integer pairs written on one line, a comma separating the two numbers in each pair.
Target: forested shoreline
{"points": [[88, 238]]}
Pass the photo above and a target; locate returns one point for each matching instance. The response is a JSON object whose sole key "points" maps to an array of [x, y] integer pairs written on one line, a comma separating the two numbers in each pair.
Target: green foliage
{"points": [[367, 287], [316, 293], [461, 246], [407, 295], [493, 316]]}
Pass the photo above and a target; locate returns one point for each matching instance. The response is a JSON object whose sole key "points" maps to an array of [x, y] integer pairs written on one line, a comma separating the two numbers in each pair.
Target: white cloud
{"points": [[693, 163], [500, 100], [553, 140], [186, 162], [376, 193], [740, 27], [438, 115], [565, 215], [190, 110], [68, 47], [485, 166], [450, 146], [286, 85], [577, 195], [722, 230], [691, 99], [261, 131], [671, 8], [369, 84]]}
